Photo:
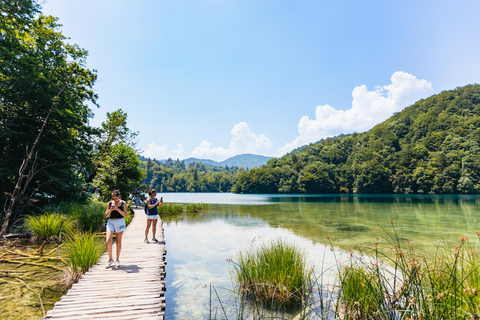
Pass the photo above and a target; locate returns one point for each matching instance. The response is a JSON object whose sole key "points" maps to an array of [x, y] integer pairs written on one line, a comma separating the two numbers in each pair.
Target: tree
{"points": [[43, 84], [120, 170], [113, 131]]}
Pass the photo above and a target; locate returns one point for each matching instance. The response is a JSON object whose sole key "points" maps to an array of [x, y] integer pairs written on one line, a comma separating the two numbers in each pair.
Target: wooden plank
{"points": [[133, 291]]}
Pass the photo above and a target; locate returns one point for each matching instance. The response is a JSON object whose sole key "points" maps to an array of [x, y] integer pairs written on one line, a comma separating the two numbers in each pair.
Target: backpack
{"points": [[146, 208]]}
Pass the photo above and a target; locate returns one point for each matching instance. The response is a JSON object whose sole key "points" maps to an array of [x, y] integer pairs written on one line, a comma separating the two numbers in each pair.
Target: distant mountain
{"points": [[246, 160], [204, 161]]}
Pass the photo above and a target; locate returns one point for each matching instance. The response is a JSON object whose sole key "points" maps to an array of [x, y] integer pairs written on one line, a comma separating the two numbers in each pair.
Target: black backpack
{"points": [[146, 208]]}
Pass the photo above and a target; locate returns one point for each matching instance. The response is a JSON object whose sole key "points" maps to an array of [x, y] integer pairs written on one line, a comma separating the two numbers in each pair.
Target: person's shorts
{"points": [[153, 217], [116, 225]]}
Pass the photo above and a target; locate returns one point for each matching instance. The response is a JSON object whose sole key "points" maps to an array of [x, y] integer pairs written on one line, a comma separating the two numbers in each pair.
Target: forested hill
{"points": [[246, 161], [432, 146]]}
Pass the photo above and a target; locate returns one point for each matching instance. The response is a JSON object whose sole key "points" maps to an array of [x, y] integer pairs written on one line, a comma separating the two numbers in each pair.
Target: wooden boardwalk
{"points": [[133, 291]]}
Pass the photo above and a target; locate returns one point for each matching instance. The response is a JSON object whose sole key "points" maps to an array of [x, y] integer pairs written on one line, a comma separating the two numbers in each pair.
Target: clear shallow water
{"points": [[199, 244]]}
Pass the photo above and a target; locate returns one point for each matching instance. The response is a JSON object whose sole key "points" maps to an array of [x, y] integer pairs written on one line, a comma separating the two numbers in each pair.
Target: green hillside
{"points": [[429, 147]]}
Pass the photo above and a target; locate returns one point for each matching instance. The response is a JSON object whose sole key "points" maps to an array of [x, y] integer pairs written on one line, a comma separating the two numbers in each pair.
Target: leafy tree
{"points": [[120, 170], [44, 87]]}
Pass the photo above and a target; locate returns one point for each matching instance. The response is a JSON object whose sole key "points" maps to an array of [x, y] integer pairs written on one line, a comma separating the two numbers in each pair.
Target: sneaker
{"points": [[117, 263], [146, 240], [109, 264], [154, 240]]}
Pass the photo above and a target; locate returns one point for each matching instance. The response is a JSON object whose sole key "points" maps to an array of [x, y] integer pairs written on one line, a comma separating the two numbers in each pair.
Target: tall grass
{"points": [[90, 215], [274, 275], [168, 208], [442, 285], [197, 207], [47, 226], [82, 250]]}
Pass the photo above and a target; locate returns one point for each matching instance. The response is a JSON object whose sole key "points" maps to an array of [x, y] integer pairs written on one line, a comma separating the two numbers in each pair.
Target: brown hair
{"points": [[116, 193], [152, 191]]}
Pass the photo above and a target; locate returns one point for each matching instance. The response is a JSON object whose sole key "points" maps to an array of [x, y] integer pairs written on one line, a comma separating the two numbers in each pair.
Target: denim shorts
{"points": [[153, 216], [116, 225]]}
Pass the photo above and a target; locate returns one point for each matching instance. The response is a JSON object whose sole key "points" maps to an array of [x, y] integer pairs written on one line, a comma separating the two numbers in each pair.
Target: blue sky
{"points": [[216, 78]]}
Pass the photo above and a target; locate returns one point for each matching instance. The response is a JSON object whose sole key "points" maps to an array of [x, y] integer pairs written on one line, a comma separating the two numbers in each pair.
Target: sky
{"points": [[216, 78]]}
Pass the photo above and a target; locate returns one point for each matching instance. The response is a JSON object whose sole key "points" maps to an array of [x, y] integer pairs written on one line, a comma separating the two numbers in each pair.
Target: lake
{"points": [[199, 245]]}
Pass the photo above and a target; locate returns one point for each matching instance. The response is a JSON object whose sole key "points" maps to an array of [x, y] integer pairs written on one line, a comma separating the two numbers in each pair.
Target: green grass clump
{"points": [[196, 207], [167, 208], [274, 274], [47, 226], [83, 251], [360, 293], [90, 215]]}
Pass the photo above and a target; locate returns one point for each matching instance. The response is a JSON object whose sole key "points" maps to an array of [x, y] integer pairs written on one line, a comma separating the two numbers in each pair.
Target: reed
{"points": [[47, 226], [168, 208], [82, 251], [274, 275], [197, 207], [441, 285]]}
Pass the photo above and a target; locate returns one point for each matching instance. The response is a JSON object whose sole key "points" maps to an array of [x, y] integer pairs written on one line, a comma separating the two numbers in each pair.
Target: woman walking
{"points": [[116, 211], [152, 214]]}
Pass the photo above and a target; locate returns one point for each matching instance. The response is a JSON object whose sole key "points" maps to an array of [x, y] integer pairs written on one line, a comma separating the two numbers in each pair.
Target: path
{"points": [[133, 291]]}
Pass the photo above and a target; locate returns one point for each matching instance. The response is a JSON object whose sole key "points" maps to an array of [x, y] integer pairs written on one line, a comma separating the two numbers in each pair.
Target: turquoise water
{"points": [[199, 245]]}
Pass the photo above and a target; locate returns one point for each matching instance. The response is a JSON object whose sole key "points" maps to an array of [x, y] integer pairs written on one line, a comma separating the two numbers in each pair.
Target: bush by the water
{"points": [[47, 226], [83, 250], [274, 274]]}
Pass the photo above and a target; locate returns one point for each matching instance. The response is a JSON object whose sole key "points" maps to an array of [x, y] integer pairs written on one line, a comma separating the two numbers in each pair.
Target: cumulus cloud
{"points": [[368, 109], [243, 141], [164, 152]]}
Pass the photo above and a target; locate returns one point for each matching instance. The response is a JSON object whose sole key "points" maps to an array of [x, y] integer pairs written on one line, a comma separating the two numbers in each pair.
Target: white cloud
{"points": [[203, 151], [243, 141], [163, 152], [368, 109]]}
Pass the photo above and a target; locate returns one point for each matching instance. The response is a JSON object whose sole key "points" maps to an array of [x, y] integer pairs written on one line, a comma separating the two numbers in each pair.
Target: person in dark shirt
{"points": [[152, 214], [116, 211]]}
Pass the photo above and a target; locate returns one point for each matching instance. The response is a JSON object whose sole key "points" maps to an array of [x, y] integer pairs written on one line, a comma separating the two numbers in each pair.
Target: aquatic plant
{"points": [[82, 251], [196, 207], [273, 274], [47, 226], [170, 208], [441, 285]]}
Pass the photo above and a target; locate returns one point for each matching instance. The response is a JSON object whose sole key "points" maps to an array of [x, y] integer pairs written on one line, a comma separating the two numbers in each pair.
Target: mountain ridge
{"points": [[245, 160]]}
